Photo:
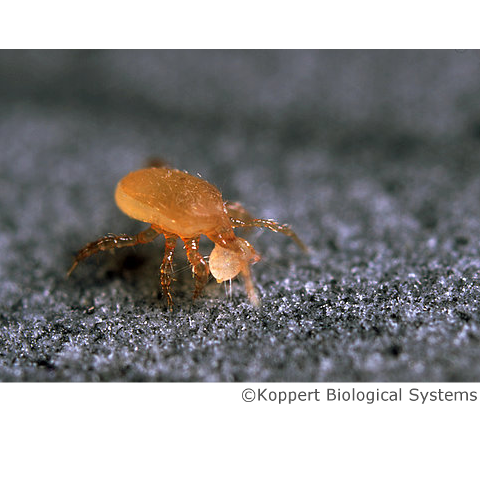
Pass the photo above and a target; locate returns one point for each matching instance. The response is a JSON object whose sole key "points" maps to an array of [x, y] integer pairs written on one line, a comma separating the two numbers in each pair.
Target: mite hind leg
{"points": [[110, 242], [272, 225], [166, 270], [199, 265]]}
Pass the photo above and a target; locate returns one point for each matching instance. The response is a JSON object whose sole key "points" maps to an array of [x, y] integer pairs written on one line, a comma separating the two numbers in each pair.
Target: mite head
{"points": [[226, 264]]}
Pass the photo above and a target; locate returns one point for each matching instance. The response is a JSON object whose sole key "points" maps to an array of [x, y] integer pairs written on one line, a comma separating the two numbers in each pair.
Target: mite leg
{"points": [[166, 270], [249, 287], [199, 265], [237, 211], [272, 225], [109, 242]]}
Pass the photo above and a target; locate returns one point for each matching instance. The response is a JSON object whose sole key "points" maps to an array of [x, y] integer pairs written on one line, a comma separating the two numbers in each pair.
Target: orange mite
{"points": [[179, 205]]}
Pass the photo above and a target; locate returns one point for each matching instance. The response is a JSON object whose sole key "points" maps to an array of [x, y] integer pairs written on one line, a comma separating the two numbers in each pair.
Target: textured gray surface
{"points": [[373, 157]]}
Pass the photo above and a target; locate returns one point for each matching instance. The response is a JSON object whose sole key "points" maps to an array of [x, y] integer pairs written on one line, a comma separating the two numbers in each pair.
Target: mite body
{"points": [[179, 205]]}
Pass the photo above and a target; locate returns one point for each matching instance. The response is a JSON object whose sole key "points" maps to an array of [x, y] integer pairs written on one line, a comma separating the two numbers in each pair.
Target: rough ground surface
{"points": [[373, 157]]}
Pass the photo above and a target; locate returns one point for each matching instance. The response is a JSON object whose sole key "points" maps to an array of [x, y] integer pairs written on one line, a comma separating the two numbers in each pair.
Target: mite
{"points": [[179, 205]]}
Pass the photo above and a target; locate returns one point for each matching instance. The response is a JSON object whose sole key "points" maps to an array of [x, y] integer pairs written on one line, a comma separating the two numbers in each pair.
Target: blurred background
{"points": [[372, 157]]}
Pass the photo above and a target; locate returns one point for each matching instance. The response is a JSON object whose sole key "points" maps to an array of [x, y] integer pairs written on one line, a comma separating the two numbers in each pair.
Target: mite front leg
{"points": [[236, 211], [166, 269], [249, 287], [199, 265], [109, 242], [272, 225]]}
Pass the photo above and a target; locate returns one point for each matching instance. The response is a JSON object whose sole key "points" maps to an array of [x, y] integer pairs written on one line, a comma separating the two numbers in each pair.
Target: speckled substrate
{"points": [[373, 157]]}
